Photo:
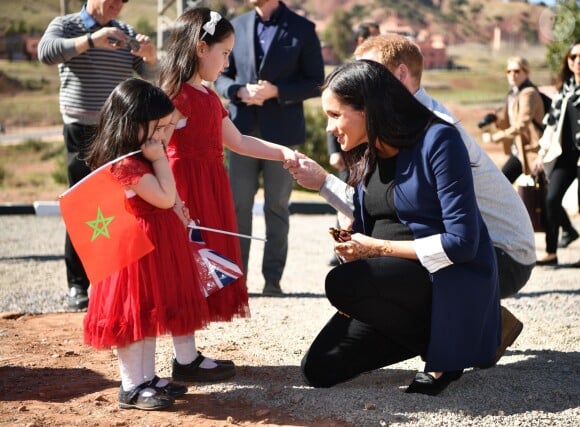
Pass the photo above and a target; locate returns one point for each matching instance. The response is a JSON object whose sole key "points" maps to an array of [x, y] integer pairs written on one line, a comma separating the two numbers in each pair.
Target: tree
{"points": [[339, 34], [566, 30]]}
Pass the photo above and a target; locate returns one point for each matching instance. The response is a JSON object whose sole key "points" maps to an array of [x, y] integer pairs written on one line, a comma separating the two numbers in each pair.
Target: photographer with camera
{"points": [[518, 122], [520, 127], [94, 52]]}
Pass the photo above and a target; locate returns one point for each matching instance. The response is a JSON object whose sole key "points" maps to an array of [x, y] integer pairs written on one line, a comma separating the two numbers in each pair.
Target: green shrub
{"points": [[315, 145], [60, 175], [3, 174], [31, 144]]}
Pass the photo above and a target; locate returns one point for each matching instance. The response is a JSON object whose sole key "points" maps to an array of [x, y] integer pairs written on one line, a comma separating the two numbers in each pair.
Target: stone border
{"points": [[41, 208]]}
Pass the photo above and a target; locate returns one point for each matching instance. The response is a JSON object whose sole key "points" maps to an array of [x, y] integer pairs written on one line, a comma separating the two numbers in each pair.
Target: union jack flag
{"points": [[215, 270]]}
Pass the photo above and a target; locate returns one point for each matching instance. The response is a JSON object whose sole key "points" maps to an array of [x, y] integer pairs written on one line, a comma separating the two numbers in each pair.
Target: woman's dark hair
{"points": [[565, 73], [130, 108], [181, 62], [393, 115]]}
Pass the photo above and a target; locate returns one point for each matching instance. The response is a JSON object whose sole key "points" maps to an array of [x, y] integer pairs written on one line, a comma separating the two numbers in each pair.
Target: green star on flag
{"points": [[100, 225]]}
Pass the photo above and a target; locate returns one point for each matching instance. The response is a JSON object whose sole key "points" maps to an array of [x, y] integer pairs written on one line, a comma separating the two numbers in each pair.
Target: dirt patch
{"points": [[50, 378]]}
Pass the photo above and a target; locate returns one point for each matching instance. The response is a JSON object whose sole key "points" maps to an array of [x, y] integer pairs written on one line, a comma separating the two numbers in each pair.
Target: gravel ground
{"points": [[535, 384]]}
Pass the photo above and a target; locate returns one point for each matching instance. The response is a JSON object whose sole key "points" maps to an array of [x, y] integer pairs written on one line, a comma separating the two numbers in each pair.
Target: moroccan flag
{"points": [[101, 224]]}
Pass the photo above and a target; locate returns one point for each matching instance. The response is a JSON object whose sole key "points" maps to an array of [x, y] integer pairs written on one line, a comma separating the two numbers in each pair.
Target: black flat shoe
{"points": [[133, 399], [195, 373], [169, 389], [425, 383], [567, 238], [219, 361], [547, 261]]}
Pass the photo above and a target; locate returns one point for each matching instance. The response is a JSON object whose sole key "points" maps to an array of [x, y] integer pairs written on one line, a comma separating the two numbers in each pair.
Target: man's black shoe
{"points": [[78, 299], [272, 288]]}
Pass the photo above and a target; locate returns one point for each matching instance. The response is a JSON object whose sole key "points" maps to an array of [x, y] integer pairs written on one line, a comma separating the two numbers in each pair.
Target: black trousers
{"points": [[77, 139], [389, 304], [388, 301], [561, 177]]}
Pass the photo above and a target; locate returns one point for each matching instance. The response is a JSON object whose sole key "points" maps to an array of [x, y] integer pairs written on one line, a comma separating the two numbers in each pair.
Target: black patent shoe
{"points": [[170, 389], [133, 399], [218, 361], [78, 298], [425, 383], [193, 372]]}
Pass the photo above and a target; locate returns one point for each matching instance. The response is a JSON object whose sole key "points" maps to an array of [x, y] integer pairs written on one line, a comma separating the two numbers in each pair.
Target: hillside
{"points": [[459, 21]]}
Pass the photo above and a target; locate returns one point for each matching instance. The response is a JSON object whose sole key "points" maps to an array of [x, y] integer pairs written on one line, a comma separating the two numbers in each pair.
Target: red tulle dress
{"points": [[158, 294], [196, 156]]}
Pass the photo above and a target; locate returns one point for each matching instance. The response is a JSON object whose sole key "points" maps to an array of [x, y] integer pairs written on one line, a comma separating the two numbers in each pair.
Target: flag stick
{"points": [[215, 230]]}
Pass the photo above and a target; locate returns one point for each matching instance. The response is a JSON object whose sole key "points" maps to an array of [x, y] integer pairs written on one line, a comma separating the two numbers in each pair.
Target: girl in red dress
{"points": [[198, 49], [159, 293]]}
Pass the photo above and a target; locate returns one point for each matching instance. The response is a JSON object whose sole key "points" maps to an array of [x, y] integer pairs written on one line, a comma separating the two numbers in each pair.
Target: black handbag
{"points": [[534, 198]]}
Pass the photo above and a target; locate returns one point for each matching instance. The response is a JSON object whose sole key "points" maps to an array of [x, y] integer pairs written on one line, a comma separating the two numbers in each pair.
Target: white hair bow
{"points": [[209, 26]]}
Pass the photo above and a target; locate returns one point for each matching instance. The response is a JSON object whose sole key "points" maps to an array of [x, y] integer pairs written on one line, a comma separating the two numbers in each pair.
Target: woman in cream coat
{"points": [[519, 121]]}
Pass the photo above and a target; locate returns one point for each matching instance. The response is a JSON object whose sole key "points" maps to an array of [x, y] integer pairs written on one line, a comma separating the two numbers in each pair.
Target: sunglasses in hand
{"points": [[339, 235]]}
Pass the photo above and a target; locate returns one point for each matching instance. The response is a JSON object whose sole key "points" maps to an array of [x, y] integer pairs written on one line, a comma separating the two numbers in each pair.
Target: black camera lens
{"points": [[487, 120]]}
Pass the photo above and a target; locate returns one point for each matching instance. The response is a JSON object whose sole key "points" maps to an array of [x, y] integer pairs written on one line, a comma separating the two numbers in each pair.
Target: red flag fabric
{"points": [[101, 225]]}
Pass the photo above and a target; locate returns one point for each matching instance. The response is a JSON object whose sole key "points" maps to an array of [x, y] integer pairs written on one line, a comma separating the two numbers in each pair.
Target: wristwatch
{"points": [[90, 40]]}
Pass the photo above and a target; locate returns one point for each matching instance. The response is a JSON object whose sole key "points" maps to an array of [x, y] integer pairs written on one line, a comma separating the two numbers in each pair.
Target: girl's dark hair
{"points": [[393, 115], [131, 106], [565, 72], [181, 62]]}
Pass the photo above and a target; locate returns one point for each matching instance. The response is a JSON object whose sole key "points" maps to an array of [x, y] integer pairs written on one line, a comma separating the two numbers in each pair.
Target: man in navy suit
{"points": [[276, 64]]}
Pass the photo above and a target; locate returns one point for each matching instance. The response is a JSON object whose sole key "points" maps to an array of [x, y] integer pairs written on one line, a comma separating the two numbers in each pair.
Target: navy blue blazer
{"points": [[293, 63], [434, 195]]}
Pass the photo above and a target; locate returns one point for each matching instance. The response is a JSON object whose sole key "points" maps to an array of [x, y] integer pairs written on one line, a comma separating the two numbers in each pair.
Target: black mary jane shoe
{"points": [[169, 389], [218, 361], [193, 372], [133, 399], [425, 383]]}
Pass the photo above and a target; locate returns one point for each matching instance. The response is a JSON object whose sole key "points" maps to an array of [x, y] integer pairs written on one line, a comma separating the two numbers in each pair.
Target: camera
{"points": [[132, 44], [488, 119]]}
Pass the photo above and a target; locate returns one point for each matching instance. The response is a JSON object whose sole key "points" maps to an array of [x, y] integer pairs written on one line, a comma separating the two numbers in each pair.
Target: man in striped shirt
{"points": [[94, 52]]}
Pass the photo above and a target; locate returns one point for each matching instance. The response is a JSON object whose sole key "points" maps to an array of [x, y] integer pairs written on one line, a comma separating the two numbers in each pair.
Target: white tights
{"points": [[137, 363], [185, 352]]}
